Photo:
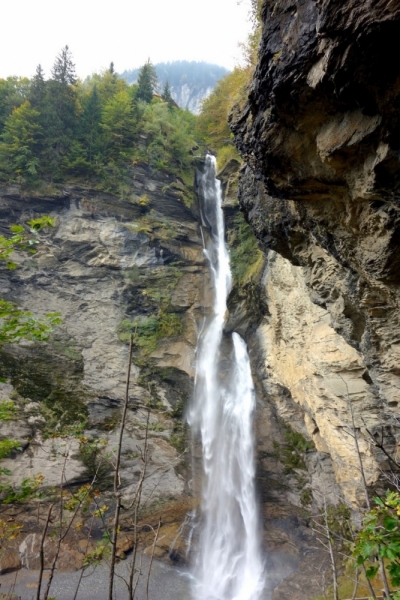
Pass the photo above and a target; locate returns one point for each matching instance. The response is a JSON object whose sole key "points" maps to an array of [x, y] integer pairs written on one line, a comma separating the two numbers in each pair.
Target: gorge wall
{"points": [[111, 266], [319, 186]]}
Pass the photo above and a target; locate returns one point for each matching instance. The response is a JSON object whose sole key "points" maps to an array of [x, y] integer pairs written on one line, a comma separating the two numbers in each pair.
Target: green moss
{"points": [[178, 441], [144, 200], [306, 497], [8, 410], [68, 351], [155, 227], [45, 375], [133, 275], [247, 260], [177, 411], [296, 441], [183, 188], [110, 423], [291, 453], [160, 284], [152, 427], [92, 453], [7, 446], [148, 331]]}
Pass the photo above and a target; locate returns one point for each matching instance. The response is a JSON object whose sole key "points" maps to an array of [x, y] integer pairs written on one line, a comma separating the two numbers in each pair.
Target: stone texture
{"points": [[55, 459], [107, 260], [319, 187], [70, 556], [9, 560], [303, 353]]}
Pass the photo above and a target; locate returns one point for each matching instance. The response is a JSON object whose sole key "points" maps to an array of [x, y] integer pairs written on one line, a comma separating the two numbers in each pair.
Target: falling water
{"points": [[228, 565]]}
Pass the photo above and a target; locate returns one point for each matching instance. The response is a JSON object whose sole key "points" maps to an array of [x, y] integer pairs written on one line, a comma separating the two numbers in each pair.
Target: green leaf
{"points": [[371, 572], [390, 523], [17, 228], [379, 501]]}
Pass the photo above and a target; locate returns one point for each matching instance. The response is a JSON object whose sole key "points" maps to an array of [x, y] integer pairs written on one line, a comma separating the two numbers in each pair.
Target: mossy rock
{"points": [[50, 374], [177, 387]]}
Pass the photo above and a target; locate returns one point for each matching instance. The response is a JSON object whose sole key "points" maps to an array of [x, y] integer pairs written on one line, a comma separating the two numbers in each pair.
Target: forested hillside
{"points": [[58, 128]]}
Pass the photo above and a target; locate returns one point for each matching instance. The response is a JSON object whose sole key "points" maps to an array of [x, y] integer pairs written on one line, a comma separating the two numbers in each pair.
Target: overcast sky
{"points": [[127, 32]]}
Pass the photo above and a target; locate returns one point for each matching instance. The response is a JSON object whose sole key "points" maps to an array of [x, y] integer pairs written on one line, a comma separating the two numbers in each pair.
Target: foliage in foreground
{"points": [[380, 537]]}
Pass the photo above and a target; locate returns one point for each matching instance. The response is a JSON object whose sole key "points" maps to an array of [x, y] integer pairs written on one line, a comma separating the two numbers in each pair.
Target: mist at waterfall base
{"points": [[228, 563]]}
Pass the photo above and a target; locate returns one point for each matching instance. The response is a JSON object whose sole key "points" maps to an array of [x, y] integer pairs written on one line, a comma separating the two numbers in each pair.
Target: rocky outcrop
{"points": [[319, 187]]}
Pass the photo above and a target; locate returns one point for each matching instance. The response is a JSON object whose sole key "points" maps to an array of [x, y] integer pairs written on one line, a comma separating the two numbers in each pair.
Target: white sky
{"points": [[127, 32]]}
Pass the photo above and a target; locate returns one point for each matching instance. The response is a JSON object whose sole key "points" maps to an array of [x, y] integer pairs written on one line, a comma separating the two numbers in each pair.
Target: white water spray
{"points": [[228, 564]]}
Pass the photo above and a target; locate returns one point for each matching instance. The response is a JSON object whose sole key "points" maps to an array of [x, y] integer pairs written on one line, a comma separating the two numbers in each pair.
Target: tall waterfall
{"points": [[228, 565]]}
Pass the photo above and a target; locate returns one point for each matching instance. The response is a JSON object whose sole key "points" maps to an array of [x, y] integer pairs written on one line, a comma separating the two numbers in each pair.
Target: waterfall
{"points": [[228, 565]]}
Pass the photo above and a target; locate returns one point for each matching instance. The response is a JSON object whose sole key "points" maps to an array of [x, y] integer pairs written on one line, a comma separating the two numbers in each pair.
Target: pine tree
{"points": [[18, 149], [38, 90], [147, 82], [63, 69], [59, 113], [89, 129], [118, 123], [166, 95]]}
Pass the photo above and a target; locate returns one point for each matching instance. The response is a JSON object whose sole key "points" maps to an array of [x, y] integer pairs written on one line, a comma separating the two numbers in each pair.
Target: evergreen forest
{"points": [[61, 128]]}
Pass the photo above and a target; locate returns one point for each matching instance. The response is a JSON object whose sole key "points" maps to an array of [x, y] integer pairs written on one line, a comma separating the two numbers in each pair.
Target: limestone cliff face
{"points": [[320, 140], [107, 265]]}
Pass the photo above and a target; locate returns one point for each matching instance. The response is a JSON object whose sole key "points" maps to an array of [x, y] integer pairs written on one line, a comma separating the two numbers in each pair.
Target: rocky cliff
{"points": [[319, 186], [111, 266]]}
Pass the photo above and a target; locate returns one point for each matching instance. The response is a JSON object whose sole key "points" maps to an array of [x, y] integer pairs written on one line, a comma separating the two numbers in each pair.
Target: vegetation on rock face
{"points": [[246, 257], [380, 538], [148, 331], [247, 264], [292, 452], [16, 324], [7, 413]]}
